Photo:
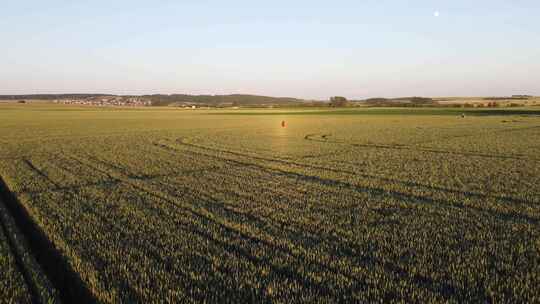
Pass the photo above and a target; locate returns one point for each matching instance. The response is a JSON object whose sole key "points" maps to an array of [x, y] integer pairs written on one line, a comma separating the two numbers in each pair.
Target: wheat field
{"points": [[356, 205]]}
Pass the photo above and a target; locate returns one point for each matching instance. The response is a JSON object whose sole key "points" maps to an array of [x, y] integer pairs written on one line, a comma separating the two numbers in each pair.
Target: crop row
{"points": [[220, 223]]}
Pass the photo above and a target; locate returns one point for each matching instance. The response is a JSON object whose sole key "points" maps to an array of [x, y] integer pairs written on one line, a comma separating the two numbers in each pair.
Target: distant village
{"points": [[123, 101]]}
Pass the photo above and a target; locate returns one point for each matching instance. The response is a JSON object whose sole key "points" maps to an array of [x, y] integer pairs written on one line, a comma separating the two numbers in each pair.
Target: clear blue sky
{"points": [[310, 49]]}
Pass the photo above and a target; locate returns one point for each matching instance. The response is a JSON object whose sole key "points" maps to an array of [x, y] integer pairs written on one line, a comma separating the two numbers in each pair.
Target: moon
{"points": [[436, 14]]}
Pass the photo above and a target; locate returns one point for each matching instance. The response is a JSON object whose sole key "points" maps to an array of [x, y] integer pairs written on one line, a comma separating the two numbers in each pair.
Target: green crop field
{"points": [[21, 279], [357, 205], [12, 286]]}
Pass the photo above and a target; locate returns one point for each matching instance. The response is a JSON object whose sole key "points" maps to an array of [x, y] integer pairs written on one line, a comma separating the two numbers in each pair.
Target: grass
{"points": [[22, 279], [181, 206], [13, 289]]}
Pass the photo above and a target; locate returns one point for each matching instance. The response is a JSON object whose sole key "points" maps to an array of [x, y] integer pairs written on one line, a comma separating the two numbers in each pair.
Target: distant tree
{"points": [[377, 100], [338, 101]]}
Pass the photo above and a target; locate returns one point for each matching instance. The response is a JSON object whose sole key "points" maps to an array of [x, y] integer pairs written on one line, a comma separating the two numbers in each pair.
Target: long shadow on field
{"points": [[18, 254], [73, 194], [69, 284]]}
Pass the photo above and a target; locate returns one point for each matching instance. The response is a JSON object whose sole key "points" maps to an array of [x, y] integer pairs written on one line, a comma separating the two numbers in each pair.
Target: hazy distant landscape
{"points": [[245, 100]]}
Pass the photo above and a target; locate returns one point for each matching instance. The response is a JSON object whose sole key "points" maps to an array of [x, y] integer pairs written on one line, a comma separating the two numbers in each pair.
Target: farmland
{"points": [[22, 279], [12, 286], [373, 205]]}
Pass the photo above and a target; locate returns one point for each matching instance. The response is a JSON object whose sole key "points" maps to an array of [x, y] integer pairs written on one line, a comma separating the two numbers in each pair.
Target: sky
{"points": [[308, 49]]}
